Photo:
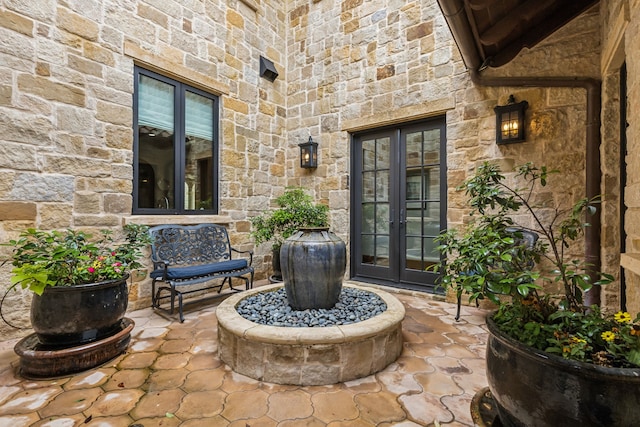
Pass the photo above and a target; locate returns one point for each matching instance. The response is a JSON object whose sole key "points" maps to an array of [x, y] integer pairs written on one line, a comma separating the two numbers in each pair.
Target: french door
{"points": [[398, 203]]}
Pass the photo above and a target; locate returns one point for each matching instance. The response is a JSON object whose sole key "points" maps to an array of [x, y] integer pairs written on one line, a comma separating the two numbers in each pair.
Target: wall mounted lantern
{"points": [[510, 121], [267, 69], [308, 154]]}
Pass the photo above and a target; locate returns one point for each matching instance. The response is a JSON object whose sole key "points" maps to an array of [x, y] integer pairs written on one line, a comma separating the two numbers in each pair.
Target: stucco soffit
{"points": [[176, 71], [400, 115]]}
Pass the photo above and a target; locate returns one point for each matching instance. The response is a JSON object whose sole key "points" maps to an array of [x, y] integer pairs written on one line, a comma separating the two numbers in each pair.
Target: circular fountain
{"points": [[309, 355]]}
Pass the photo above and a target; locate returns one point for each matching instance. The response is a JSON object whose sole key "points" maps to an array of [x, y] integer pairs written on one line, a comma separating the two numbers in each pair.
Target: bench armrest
{"points": [[161, 265], [244, 252]]}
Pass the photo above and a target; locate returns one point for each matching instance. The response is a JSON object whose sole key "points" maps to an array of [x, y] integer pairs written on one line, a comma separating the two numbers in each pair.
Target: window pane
{"points": [[382, 218], [198, 186], [431, 151], [382, 186], [414, 148], [368, 155], [368, 218], [383, 153], [156, 153]]}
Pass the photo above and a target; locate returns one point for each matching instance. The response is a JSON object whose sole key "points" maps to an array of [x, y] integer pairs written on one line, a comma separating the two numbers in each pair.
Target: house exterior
{"points": [[113, 112]]}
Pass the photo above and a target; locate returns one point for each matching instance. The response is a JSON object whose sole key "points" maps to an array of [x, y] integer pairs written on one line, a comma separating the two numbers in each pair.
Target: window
{"points": [[175, 147]]}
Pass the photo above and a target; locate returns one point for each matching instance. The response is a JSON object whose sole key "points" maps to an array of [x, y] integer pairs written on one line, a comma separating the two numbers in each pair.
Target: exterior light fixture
{"points": [[267, 69], [308, 154], [510, 121]]}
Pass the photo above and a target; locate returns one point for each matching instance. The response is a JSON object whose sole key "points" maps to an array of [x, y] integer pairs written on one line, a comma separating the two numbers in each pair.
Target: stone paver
{"points": [[171, 376]]}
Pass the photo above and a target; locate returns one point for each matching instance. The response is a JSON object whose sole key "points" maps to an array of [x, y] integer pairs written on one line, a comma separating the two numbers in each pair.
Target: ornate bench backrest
{"points": [[190, 244]]}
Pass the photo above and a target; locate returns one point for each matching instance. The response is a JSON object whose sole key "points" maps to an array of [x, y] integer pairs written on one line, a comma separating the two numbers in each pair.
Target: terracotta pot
{"points": [[313, 262], [534, 388], [72, 315]]}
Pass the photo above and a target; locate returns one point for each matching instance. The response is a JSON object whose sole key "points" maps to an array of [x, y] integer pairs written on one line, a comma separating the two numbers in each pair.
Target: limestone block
{"points": [[235, 105], [418, 31], [16, 22], [76, 120], [50, 90], [154, 15], [114, 114], [15, 210], [235, 19], [76, 24], [44, 10], [17, 156], [48, 188], [84, 66], [55, 215], [87, 202], [98, 53]]}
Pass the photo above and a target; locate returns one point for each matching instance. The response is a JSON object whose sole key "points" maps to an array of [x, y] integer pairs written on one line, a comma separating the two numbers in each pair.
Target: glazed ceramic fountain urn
{"points": [[313, 262]]}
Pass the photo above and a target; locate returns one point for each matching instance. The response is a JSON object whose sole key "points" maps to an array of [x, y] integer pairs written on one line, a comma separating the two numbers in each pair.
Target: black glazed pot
{"points": [[313, 262], [275, 264], [72, 315], [534, 388]]}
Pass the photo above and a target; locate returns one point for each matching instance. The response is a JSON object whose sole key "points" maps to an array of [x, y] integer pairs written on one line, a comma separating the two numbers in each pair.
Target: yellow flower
{"points": [[622, 317], [608, 336], [576, 340]]}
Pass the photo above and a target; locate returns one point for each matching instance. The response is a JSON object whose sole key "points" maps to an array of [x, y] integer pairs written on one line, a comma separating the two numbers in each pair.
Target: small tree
{"points": [[491, 259]]}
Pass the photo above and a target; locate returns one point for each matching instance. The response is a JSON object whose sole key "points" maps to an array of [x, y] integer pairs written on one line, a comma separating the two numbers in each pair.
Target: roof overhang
{"points": [[490, 33]]}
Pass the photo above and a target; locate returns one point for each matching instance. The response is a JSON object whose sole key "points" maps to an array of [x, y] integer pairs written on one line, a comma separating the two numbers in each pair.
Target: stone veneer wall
{"points": [[66, 97], [355, 65], [66, 85], [621, 42]]}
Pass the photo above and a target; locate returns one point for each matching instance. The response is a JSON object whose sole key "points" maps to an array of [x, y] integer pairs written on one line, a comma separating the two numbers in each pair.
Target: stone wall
{"points": [[66, 85], [632, 190], [359, 65]]}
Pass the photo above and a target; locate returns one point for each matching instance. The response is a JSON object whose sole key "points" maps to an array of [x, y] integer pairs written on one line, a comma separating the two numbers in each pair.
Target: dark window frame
{"points": [[179, 147]]}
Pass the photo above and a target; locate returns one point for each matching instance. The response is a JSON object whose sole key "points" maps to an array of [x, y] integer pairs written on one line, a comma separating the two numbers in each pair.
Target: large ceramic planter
{"points": [[313, 262], [534, 388], [73, 315]]}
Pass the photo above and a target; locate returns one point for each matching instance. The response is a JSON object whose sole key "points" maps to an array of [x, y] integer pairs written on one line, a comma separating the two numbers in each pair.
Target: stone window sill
{"points": [[152, 220]]}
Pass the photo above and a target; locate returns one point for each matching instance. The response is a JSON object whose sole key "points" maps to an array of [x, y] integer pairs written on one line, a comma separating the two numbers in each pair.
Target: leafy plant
{"points": [[497, 259], [68, 258], [296, 210]]}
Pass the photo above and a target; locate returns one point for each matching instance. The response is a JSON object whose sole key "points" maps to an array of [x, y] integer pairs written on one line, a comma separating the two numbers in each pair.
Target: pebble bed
{"points": [[272, 309]]}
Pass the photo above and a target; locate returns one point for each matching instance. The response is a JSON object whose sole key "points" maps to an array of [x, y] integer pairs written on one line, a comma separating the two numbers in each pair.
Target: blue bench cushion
{"points": [[176, 273]]}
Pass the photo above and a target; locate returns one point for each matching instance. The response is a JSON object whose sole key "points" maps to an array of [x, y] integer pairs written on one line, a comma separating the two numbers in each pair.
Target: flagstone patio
{"points": [[171, 376]]}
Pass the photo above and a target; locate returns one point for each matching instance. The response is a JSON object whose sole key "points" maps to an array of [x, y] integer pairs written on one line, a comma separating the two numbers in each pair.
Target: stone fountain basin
{"points": [[305, 355]]}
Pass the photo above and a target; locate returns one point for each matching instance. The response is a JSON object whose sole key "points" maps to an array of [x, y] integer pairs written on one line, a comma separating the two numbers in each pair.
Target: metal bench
{"points": [[188, 255]]}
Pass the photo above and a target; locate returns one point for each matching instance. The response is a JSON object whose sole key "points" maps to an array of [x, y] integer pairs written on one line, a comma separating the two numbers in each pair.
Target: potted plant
{"points": [[296, 209], [78, 282], [551, 360]]}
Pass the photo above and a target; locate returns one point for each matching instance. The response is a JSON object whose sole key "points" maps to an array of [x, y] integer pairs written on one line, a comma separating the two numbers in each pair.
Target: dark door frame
{"points": [[392, 276]]}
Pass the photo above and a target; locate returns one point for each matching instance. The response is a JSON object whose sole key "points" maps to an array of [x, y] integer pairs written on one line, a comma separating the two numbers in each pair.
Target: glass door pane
{"points": [[375, 225], [422, 199]]}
